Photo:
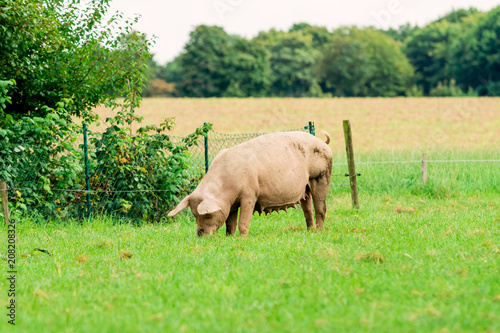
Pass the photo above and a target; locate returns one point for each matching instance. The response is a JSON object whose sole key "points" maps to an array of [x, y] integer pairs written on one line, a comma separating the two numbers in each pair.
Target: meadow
{"points": [[379, 124], [414, 258]]}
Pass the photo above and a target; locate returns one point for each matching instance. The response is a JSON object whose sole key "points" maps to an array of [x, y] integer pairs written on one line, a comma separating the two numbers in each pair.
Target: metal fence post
{"points": [[87, 177], [311, 128], [206, 151]]}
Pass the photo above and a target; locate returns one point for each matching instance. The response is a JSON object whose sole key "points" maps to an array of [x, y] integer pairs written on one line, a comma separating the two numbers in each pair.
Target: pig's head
{"points": [[209, 215]]}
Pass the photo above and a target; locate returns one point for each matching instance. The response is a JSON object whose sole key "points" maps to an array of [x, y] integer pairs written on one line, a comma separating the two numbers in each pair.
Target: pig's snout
{"points": [[210, 232]]}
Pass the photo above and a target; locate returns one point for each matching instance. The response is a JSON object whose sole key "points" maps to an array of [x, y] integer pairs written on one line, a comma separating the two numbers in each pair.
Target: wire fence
{"points": [[420, 161], [105, 178], [115, 174]]}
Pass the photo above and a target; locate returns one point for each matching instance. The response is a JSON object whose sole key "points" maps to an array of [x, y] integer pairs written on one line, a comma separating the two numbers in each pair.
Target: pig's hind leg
{"points": [[306, 204], [319, 191]]}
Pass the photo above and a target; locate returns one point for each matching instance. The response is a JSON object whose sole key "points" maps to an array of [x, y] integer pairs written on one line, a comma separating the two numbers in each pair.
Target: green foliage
{"points": [[450, 89], [141, 175], [202, 63], [475, 55], [4, 96], [248, 69], [62, 61], [457, 16], [39, 153], [364, 63], [292, 57], [403, 33], [428, 51], [320, 35], [172, 72], [461, 46], [59, 50], [344, 67], [215, 64]]}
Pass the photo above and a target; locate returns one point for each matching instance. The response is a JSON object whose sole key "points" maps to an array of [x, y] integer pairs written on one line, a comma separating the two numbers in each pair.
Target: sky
{"points": [[171, 21]]}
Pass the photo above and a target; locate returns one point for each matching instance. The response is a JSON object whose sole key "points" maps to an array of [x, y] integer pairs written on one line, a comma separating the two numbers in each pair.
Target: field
{"points": [[415, 258], [378, 123]]}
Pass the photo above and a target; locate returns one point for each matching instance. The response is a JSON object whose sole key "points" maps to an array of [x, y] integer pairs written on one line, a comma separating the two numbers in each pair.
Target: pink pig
{"points": [[271, 172]]}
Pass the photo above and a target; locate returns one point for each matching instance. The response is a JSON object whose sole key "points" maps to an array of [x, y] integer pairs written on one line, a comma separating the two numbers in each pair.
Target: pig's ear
{"points": [[182, 205], [207, 206]]}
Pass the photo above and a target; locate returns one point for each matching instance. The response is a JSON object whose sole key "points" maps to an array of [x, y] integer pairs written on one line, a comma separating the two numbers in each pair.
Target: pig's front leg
{"points": [[246, 211], [231, 222]]}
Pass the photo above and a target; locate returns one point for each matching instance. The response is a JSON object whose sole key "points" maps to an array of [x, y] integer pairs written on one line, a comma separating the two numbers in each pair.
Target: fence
{"points": [[141, 185], [78, 183]]}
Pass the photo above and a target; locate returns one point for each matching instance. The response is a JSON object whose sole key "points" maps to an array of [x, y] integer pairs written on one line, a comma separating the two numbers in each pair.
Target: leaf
{"points": [[43, 251], [19, 149]]}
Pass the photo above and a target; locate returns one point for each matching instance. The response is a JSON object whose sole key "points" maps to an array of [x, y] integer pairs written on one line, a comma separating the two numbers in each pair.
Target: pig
{"points": [[269, 173]]}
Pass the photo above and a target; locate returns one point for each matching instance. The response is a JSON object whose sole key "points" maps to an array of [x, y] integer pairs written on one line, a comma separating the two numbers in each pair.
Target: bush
{"points": [[38, 154], [141, 175], [450, 90]]}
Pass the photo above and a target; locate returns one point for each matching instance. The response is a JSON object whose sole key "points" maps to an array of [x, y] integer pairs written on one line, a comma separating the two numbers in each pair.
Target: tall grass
{"points": [[453, 173]]}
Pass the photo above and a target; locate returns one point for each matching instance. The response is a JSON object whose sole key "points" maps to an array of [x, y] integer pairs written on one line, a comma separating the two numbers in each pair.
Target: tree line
{"points": [[456, 55]]}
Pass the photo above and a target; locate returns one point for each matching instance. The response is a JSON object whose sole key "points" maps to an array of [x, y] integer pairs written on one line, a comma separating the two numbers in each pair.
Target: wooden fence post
{"points": [[350, 161], [5, 205], [424, 169], [87, 176]]}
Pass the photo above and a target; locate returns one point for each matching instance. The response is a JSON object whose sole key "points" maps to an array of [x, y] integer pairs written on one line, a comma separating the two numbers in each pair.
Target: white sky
{"points": [[172, 20]]}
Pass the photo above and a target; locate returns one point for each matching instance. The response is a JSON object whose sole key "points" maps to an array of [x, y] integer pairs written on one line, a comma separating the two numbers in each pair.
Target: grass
{"points": [[414, 258], [398, 265]]}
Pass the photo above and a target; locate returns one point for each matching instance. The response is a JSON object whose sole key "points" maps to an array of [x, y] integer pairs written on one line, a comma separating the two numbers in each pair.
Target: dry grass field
{"points": [[378, 124]]}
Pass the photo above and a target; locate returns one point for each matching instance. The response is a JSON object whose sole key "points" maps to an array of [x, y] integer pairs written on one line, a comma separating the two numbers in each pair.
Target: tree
{"points": [[215, 64], [320, 35], [172, 71], [292, 59], [457, 16], [364, 63], [202, 63], [402, 33], [344, 67], [58, 50], [476, 53], [248, 69], [429, 49]]}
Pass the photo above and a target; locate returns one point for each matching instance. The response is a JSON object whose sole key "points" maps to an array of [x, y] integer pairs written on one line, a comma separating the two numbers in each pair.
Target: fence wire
{"points": [[57, 188], [54, 184]]}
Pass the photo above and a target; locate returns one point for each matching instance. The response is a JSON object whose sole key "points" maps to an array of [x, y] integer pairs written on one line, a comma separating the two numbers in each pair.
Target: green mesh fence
{"points": [[215, 142], [89, 180], [45, 186]]}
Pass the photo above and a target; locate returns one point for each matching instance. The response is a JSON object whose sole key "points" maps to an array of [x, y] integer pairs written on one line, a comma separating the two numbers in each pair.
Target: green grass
{"points": [[414, 258]]}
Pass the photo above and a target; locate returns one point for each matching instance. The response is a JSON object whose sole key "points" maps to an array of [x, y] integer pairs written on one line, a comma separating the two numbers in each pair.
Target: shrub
{"points": [[39, 154], [450, 89], [141, 175]]}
